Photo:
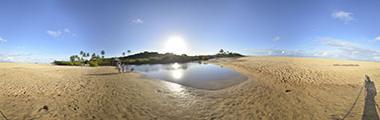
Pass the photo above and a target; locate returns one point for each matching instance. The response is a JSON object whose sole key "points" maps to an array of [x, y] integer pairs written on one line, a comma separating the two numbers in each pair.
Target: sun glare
{"points": [[177, 74], [176, 44], [176, 66]]}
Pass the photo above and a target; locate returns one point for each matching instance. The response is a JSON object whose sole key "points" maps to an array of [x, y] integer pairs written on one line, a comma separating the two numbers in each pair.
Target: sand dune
{"points": [[277, 88]]}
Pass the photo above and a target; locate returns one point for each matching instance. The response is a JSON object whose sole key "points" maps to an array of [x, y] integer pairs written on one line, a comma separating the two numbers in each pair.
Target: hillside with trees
{"points": [[140, 58]]}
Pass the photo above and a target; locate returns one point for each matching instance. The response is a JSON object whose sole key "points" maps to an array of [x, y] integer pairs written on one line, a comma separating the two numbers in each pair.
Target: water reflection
{"points": [[178, 89], [176, 71], [177, 74], [176, 66], [202, 76]]}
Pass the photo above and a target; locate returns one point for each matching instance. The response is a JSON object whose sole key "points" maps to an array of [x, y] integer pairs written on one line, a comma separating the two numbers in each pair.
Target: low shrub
{"points": [[93, 63], [62, 63], [76, 63]]}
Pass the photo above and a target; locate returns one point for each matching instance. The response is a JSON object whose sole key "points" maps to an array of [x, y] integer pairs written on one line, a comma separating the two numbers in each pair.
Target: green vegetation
{"points": [[82, 59], [140, 58], [93, 63], [66, 63]]}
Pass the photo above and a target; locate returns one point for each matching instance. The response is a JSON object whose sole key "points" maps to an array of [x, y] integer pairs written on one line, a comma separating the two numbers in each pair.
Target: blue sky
{"points": [[44, 30]]}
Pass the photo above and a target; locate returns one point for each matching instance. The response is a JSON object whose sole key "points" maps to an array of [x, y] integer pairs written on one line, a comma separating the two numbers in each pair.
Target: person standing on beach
{"points": [[122, 67], [118, 65]]}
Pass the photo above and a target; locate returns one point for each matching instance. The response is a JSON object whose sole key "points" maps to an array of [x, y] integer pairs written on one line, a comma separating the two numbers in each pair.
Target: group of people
{"points": [[121, 67]]}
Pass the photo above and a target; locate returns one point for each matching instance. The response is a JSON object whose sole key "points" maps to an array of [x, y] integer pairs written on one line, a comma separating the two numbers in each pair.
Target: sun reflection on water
{"points": [[177, 74], [176, 66]]}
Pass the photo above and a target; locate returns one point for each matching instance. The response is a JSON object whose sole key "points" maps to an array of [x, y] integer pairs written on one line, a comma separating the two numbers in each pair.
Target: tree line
{"points": [[84, 58]]}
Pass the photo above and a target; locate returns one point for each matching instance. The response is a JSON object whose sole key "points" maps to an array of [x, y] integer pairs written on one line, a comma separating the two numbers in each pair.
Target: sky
{"points": [[47, 30]]}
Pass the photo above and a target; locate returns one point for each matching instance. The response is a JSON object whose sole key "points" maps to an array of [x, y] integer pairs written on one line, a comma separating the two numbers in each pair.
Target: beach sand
{"points": [[277, 88]]}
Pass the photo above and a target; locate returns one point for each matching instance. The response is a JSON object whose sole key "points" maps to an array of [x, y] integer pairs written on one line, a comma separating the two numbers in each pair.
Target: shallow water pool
{"points": [[196, 75]]}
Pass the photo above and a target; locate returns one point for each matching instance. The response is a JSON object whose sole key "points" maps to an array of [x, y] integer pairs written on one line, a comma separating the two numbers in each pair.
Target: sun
{"points": [[176, 44]]}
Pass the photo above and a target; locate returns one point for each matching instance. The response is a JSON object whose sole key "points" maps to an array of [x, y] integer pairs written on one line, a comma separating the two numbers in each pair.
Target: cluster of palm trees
{"points": [[83, 56], [222, 52]]}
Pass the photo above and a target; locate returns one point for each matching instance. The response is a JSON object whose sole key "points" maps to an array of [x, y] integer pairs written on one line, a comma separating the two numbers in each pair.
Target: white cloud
{"points": [[349, 50], [334, 42], [344, 16], [377, 38], [67, 30], [25, 57], [137, 21], [54, 33], [2, 40], [14, 57], [279, 52], [276, 38], [60, 33], [328, 48], [377, 58]]}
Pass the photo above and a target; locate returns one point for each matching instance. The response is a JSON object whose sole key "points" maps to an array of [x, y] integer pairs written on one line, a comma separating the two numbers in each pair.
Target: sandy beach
{"points": [[277, 88]]}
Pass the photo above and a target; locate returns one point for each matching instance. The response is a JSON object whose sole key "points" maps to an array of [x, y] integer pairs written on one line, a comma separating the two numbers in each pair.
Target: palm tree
{"points": [[129, 51], [221, 51], [77, 57], [103, 53], [81, 53], [123, 54], [93, 55], [72, 58]]}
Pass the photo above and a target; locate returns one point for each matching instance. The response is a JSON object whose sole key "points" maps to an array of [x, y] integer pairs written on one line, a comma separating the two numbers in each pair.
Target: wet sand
{"points": [[277, 88]]}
